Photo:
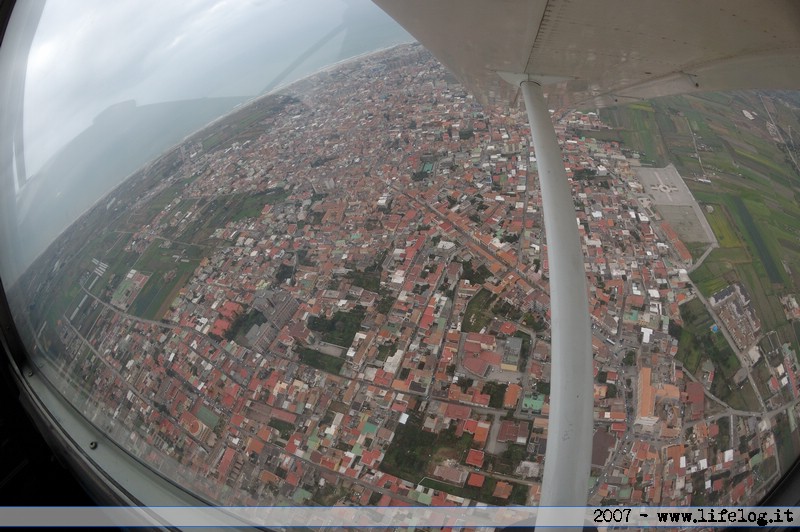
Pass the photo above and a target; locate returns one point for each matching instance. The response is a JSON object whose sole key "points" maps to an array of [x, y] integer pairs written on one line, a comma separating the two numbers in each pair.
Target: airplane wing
{"points": [[596, 54]]}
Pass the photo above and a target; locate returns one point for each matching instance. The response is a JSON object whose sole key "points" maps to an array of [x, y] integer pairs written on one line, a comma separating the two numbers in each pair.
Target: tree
{"points": [[584, 173], [630, 358], [419, 176]]}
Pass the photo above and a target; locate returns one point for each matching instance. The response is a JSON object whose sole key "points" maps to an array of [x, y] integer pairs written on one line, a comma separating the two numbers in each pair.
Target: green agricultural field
{"points": [[762, 375], [796, 342], [725, 233], [211, 217], [160, 290], [756, 240], [243, 124], [110, 250], [155, 205], [161, 259], [214, 140], [106, 245], [762, 223], [787, 440], [119, 264], [638, 130], [716, 272], [741, 398]]}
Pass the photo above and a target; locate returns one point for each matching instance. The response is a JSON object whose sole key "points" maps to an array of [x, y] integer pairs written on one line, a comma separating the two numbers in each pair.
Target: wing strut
{"points": [[569, 441]]}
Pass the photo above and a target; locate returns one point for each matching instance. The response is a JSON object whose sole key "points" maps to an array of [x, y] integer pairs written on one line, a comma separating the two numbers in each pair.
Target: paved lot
{"points": [[675, 202], [665, 186], [683, 219]]}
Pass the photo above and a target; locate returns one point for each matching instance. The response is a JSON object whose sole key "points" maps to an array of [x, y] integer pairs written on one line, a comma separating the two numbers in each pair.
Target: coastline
{"points": [[333, 66], [105, 196]]}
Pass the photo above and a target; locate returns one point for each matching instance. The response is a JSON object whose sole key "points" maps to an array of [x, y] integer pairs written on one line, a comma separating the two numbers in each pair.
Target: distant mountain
{"points": [[122, 139]]}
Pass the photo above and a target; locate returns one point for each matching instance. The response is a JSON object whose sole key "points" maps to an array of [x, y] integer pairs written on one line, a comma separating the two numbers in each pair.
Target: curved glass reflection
{"points": [[336, 291]]}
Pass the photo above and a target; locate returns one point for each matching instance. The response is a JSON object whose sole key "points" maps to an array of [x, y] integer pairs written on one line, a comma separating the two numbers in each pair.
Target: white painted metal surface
{"points": [[613, 50], [569, 434]]}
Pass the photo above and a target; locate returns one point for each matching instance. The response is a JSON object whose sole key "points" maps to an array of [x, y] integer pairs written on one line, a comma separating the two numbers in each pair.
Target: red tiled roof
{"points": [[502, 490], [284, 415], [457, 411], [225, 463], [475, 458], [476, 480], [476, 365], [481, 433], [254, 446], [508, 328], [511, 396], [508, 431]]}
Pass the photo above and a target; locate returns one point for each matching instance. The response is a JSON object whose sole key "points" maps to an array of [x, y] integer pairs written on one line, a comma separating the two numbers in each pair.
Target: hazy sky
{"points": [[90, 54]]}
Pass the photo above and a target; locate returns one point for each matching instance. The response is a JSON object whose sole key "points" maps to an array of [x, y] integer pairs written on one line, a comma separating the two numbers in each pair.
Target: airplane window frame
{"points": [[69, 433], [83, 447]]}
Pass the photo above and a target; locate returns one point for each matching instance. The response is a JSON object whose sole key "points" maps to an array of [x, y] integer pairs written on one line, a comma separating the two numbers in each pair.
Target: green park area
{"points": [[284, 427], [496, 392], [478, 313], [413, 451], [241, 206], [316, 359], [341, 328], [242, 325], [475, 275]]}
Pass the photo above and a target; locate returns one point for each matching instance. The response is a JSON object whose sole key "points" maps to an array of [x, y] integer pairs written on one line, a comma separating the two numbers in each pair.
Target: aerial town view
{"points": [[338, 295]]}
